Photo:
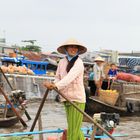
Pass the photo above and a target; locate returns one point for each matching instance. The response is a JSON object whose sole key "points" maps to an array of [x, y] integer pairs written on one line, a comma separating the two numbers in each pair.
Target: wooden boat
{"points": [[94, 105], [10, 118], [37, 67], [128, 103], [10, 112], [7, 122]]}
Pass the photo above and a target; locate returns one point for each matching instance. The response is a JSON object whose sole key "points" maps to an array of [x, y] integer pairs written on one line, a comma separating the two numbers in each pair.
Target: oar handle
{"points": [[85, 114], [14, 110]]}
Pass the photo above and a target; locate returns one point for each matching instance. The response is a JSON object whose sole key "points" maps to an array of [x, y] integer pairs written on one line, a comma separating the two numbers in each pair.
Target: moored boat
{"points": [[94, 105], [128, 103], [7, 122], [31, 67], [10, 118]]}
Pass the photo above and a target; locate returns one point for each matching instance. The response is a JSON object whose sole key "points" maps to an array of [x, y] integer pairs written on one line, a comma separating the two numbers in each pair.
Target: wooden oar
{"points": [[6, 79], [12, 107], [39, 110], [26, 113], [86, 115]]}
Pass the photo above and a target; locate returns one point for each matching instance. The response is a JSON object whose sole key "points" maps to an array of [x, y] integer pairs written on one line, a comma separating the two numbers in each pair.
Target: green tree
{"points": [[33, 48]]}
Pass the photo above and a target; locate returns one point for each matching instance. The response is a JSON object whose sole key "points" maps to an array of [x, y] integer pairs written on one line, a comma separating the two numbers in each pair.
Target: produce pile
{"points": [[109, 91], [17, 69], [50, 73]]}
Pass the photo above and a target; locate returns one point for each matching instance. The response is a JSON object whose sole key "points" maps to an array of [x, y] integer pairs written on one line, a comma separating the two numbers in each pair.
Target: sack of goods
{"points": [[109, 96]]}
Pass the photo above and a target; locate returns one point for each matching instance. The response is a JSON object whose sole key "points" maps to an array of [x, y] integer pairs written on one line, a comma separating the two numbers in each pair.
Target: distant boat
{"points": [[128, 103], [38, 67]]}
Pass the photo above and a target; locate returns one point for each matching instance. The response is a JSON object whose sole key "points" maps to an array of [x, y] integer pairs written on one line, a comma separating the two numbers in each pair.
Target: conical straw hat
{"points": [[69, 42], [99, 59]]}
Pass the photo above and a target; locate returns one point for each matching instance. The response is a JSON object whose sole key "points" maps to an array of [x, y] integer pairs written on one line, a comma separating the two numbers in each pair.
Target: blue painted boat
{"points": [[38, 67]]}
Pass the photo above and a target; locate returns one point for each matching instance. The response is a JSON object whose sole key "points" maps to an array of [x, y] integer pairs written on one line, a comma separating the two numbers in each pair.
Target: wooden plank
{"points": [[40, 127]]}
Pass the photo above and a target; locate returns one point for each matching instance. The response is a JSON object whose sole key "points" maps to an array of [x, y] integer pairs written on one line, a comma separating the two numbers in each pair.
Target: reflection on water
{"points": [[53, 117]]}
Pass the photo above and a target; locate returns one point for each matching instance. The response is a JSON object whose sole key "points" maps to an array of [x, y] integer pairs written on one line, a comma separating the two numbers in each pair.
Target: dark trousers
{"points": [[92, 86]]}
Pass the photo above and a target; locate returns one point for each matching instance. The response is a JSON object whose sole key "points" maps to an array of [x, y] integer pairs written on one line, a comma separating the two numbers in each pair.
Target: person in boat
{"points": [[112, 74], [98, 73], [69, 80], [91, 82]]}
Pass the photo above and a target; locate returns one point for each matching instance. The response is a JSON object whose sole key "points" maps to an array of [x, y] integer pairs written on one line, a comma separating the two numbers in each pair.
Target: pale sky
{"points": [[106, 24]]}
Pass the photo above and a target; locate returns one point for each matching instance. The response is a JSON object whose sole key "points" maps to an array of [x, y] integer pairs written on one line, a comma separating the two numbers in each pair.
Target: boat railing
{"points": [[125, 87], [31, 76]]}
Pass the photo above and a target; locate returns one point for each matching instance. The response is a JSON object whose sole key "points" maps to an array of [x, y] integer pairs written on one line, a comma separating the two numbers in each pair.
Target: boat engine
{"points": [[107, 120], [17, 97]]}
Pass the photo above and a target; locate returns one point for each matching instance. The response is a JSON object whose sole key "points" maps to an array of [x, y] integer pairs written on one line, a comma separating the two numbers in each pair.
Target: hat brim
{"points": [[81, 49]]}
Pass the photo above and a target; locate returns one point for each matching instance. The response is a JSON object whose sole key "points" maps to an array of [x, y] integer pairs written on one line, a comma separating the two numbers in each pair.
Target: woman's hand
{"points": [[49, 85]]}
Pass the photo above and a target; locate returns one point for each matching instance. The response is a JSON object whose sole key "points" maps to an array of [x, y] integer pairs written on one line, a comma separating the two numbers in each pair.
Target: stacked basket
{"points": [[109, 96]]}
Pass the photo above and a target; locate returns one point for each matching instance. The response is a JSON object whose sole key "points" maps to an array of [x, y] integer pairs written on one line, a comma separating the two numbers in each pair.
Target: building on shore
{"points": [[5, 49]]}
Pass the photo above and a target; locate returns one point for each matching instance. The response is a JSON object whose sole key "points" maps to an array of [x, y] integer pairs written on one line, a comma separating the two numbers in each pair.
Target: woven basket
{"points": [[109, 98]]}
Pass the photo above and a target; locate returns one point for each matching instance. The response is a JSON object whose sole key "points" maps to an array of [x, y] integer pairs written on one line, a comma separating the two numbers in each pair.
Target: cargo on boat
{"points": [[127, 104]]}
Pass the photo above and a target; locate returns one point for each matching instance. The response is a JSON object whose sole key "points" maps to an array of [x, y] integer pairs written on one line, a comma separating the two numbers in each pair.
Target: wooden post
{"points": [[94, 131], [40, 127]]}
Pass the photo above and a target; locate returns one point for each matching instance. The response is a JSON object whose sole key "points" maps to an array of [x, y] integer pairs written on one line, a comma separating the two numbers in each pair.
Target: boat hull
{"points": [[8, 122], [94, 105]]}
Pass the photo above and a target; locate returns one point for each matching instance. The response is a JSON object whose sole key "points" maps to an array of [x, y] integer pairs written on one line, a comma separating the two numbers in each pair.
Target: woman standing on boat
{"points": [[69, 80]]}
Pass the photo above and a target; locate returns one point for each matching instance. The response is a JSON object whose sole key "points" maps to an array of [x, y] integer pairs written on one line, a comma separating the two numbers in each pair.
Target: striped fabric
{"points": [[74, 119], [130, 62]]}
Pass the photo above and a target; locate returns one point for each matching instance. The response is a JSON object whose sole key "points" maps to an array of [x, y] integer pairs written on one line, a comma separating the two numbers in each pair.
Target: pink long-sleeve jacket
{"points": [[71, 83]]}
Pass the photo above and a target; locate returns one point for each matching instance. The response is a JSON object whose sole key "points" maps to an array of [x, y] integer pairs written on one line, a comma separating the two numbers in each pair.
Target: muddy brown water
{"points": [[53, 117]]}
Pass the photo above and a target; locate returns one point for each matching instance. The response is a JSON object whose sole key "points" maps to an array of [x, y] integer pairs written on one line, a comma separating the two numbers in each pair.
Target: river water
{"points": [[53, 117]]}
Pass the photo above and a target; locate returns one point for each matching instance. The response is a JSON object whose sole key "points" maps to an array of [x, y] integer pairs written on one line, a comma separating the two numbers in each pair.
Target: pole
{"points": [[40, 127], [6, 79], [14, 110], [39, 110], [86, 115]]}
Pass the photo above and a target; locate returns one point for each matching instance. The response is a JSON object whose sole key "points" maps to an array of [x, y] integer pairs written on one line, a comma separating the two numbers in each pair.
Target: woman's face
{"points": [[72, 50]]}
